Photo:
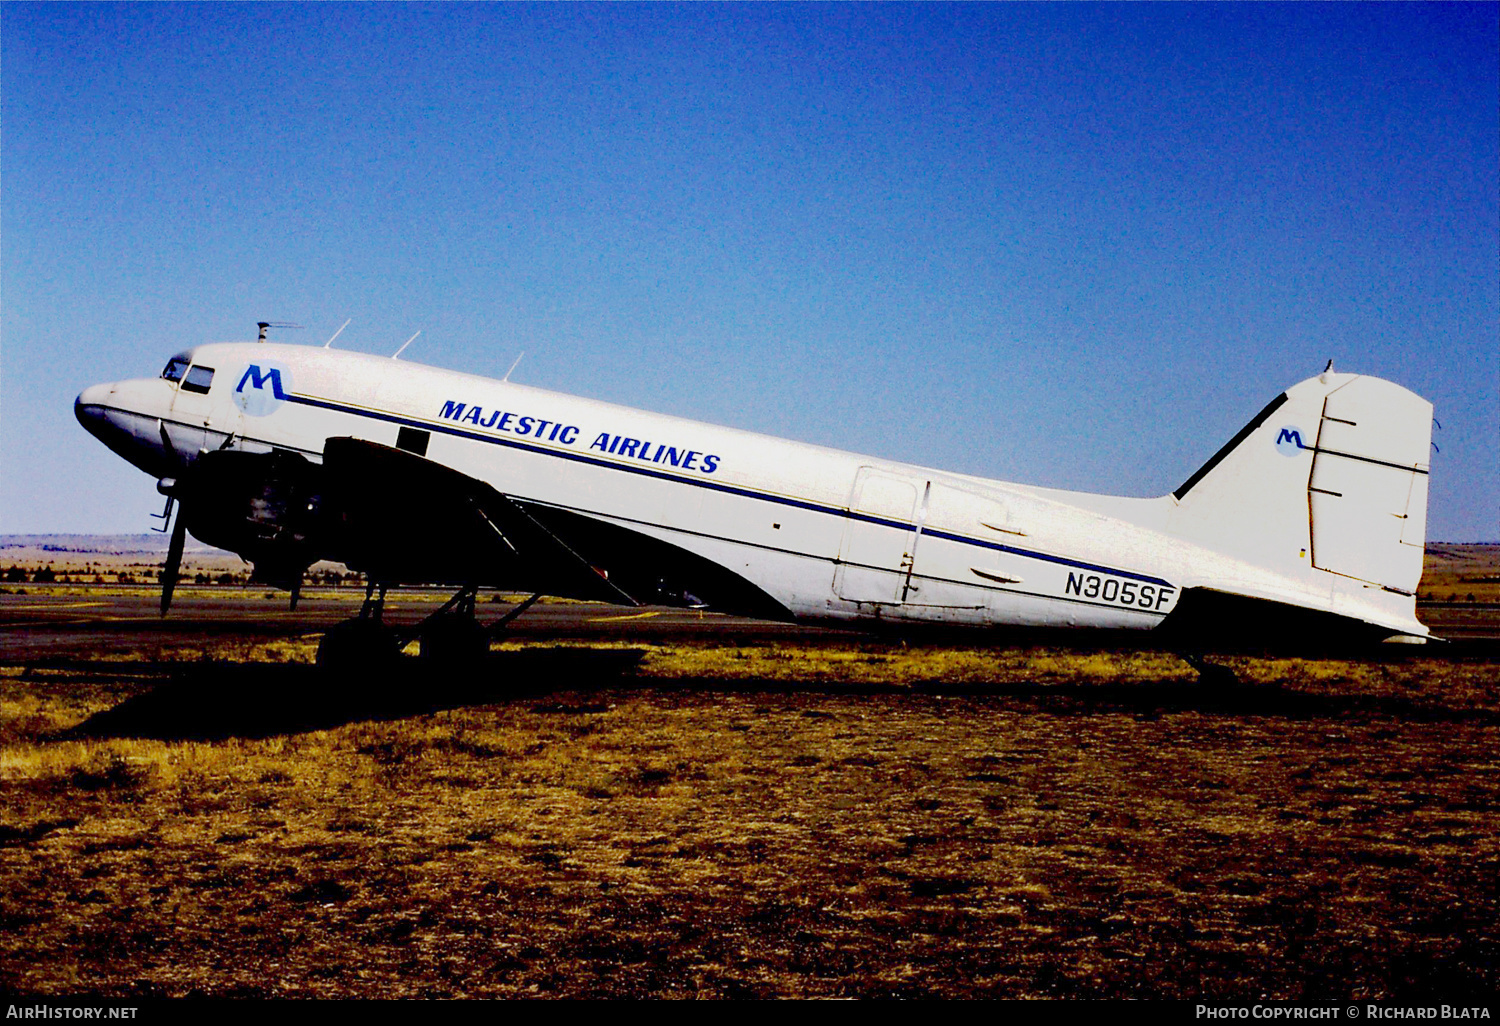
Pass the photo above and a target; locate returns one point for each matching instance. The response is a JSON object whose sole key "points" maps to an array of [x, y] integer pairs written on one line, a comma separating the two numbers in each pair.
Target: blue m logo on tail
{"points": [[251, 394], [1289, 441]]}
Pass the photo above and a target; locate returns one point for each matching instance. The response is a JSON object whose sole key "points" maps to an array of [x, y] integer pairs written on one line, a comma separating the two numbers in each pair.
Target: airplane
{"points": [[1306, 528]]}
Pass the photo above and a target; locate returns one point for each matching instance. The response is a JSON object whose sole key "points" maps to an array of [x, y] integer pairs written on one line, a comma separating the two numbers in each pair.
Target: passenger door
{"points": [[880, 536]]}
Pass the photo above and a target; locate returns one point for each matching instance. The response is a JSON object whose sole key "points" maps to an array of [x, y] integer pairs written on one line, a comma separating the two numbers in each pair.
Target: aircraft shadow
{"points": [[214, 701]]}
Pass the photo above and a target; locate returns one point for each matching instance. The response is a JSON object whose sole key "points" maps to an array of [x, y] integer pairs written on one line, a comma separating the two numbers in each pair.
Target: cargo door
{"points": [[962, 549]]}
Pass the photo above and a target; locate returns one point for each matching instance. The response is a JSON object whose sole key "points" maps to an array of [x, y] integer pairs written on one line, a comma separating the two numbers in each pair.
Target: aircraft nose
{"points": [[90, 408]]}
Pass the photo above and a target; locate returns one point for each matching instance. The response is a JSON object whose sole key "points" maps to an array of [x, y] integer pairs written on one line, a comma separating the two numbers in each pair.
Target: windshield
{"points": [[176, 367], [198, 379]]}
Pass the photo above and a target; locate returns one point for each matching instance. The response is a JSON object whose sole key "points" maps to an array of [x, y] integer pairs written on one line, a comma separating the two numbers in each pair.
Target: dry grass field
{"points": [[845, 818], [1461, 573]]}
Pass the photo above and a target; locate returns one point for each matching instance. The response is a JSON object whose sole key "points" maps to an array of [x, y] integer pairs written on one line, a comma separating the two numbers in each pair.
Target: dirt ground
{"points": [[861, 819], [839, 818]]}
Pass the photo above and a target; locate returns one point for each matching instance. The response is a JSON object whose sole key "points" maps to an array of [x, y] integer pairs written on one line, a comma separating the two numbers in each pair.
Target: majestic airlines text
{"points": [[542, 430]]}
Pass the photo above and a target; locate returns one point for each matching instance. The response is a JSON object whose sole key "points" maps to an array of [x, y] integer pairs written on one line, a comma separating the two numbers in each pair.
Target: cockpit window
{"points": [[176, 368], [198, 379]]}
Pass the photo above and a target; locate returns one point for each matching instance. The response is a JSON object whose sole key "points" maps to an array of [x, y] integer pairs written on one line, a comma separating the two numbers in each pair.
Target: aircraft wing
{"points": [[398, 517], [401, 518]]}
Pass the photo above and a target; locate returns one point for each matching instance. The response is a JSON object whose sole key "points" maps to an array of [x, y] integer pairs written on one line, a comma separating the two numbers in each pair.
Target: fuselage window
{"points": [[176, 367], [198, 379]]}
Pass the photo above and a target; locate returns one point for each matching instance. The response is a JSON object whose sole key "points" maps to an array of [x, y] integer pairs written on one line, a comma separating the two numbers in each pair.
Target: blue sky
{"points": [[1063, 244]]}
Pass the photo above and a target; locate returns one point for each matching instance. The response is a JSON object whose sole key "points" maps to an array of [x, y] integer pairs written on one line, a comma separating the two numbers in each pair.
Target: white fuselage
{"points": [[830, 535]]}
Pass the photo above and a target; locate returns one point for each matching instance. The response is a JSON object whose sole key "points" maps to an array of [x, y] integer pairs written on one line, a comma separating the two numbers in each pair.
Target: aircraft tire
{"points": [[453, 640], [357, 646]]}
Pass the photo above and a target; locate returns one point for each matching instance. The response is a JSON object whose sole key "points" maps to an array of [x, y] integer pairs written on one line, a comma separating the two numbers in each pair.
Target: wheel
{"points": [[357, 645], [454, 640]]}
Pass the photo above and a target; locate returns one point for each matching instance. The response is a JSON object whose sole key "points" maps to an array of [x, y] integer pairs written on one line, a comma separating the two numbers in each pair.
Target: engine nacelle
{"points": [[267, 507]]}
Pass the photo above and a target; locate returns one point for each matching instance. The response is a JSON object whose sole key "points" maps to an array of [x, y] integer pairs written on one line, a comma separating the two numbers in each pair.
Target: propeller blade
{"points": [[174, 560]]}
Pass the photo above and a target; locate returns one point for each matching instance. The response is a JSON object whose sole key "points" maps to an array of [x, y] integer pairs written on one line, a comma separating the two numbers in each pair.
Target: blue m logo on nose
{"points": [[258, 378], [256, 400]]}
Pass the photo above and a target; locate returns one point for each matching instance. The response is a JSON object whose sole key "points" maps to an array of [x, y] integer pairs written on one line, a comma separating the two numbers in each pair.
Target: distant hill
{"points": [[112, 555], [146, 543]]}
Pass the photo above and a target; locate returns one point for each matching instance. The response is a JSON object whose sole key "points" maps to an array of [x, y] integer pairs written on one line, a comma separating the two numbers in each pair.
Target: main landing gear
{"points": [[452, 636], [363, 643]]}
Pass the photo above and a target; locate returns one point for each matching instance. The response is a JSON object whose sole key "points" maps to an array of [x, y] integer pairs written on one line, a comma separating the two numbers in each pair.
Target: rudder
{"points": [[1368, 490]]}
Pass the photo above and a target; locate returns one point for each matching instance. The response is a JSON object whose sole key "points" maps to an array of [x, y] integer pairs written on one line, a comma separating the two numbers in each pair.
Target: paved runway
{"points": [[60, 622]]}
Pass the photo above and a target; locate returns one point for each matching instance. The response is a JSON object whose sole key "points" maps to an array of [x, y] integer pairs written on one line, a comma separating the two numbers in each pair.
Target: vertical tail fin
{"points": [[1326, 486]]}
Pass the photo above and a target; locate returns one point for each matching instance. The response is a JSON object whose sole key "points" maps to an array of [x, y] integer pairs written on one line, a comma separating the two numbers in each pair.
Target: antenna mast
{"points": [[397, 354], [336, 334], [263, 325]]}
